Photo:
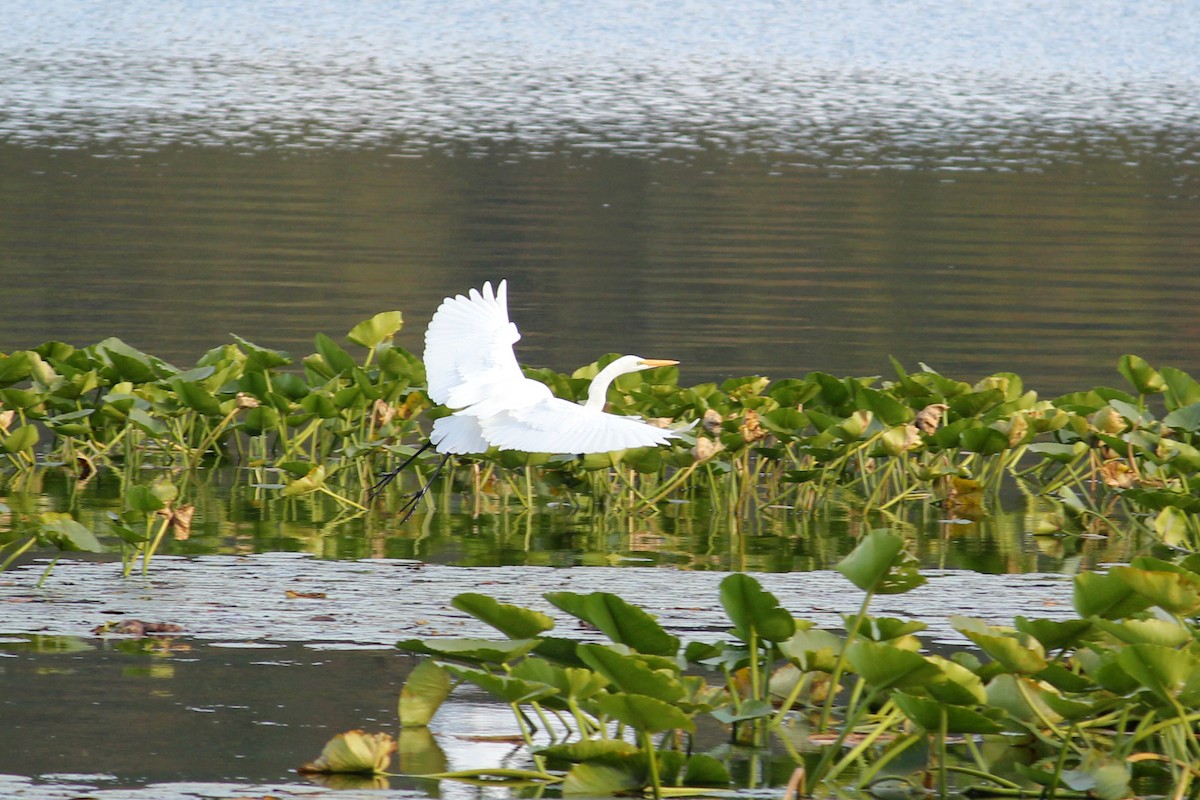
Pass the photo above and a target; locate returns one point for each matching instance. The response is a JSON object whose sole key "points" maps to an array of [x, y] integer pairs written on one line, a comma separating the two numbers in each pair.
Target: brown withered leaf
{"points": [[6, 418], [1117, 474], [354, 752], [1108, 420], [181, 521], [503, 738], [712, 421], [706, 448], [85, 468], [1018, 429], [384, 412], [962, 497], [304, 595], [137, 627], [750, 428], [929, 417], [412, 405], [245, 401]]}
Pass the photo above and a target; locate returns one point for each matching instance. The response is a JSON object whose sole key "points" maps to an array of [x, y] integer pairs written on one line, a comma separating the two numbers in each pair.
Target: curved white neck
{"points": [[598, 390]]}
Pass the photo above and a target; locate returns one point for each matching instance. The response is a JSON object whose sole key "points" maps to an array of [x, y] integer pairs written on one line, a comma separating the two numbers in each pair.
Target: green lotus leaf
{"points": [[1166, 672], [1145, 379], [812, 650], [1105, 595], [196, 397], [887, 409], [754, 611], [378, 329], [1017, 652], [505, 687], [929, 714], [879, 564], [621, 622], [1182, 389], [67, 534], [984, 441], [470, 650], [629, 674], [1054, 634], [354, 752], [260, 359], [588, 750], [1174, 592], [956, 685], [511, 620], [423, 693], [642, 713], [602, 780], [1020, 697], [886, 667], [574, 683], [23, 438], [1168, 633]]}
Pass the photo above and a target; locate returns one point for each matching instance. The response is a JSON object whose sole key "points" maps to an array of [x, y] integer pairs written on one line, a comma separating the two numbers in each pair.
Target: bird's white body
{"points": [[470, 367]]}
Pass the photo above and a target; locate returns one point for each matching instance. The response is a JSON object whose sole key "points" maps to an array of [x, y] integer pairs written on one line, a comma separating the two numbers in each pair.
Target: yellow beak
{"points": [[658, 362]]}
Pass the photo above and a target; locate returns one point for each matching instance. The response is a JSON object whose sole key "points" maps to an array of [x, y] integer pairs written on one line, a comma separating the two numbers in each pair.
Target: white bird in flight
{"points": [[470, 367]]}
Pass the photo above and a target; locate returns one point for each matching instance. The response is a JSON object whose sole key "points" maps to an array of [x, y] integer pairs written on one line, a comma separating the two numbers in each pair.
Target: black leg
{"points": [[410, 505], [374, 491]]}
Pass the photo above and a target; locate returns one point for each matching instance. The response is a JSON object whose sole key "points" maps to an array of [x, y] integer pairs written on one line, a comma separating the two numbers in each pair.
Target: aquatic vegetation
{"points": [[1104, 460], [1086, 706]]}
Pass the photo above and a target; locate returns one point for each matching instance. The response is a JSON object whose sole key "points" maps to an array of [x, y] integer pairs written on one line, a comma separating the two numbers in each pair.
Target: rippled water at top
{"points": [[854, 82]]}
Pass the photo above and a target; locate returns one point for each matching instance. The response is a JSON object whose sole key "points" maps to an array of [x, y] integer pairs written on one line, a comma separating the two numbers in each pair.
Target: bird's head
{"points": [[621, 366], [626, 364]]}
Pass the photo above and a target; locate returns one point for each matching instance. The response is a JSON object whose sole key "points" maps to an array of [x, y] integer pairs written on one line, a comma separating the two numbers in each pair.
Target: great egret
{"points": [[470, 367]]}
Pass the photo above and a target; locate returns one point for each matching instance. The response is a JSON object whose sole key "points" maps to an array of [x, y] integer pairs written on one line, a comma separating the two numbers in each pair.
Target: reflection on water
{"points": [[167, 714], [234, 517], [176, 710]]}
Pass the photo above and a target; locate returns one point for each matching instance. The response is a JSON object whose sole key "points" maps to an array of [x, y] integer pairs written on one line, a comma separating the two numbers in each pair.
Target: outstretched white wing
{"points": [[470, 366], [468, 348], [554, 425]]}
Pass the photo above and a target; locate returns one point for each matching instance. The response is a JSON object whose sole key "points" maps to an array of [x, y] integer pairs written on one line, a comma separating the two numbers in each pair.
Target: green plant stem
{"points": [[882, 727], [652, 759], [790, 700], [628, 484], [893, 752], [1046, 722], [671, 484], [208, 441], [17, 553], [1004, 786], [47, 571], [324, 489], [943, 730], [840, 665]]}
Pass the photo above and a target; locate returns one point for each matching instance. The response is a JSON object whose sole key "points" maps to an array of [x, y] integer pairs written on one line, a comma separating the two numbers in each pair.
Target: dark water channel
{"points": [[757, 187]]}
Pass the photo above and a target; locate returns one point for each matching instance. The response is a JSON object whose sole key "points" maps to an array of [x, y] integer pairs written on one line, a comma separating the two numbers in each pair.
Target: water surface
{"points": [[772, 190]]}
